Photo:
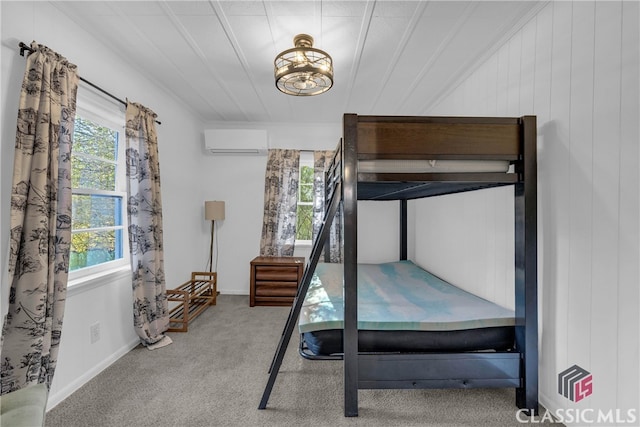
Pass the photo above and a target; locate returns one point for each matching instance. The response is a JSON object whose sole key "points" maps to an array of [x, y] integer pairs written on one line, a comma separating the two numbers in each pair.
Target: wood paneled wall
{"points": [[575, 66]]}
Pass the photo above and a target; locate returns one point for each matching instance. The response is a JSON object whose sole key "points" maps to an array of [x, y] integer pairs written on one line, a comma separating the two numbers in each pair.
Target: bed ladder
{"points": [[316, 250]]}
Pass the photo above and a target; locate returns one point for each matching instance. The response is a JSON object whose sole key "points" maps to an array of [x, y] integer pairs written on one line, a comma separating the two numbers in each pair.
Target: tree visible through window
{"points": [[97, 227], [304, 225]]}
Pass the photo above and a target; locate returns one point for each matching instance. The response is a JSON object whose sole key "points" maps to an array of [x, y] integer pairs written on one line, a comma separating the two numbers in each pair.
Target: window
{"points": [[304, 222], [98, 219]]}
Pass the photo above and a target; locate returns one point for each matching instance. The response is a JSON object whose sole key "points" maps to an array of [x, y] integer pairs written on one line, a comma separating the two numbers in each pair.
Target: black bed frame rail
{"points": [[333, 175], [430, 370], [438, 370]]}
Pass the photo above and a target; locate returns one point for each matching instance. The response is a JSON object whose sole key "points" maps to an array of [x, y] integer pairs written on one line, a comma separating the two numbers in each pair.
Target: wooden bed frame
{"points": [[432, 138]]}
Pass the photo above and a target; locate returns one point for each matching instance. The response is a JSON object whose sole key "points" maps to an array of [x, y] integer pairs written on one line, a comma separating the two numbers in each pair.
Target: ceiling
{"points": [[390, 57]]}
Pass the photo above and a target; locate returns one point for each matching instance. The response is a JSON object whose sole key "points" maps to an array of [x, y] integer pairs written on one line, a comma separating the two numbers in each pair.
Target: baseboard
{"points": [[548, 403], [232, 292], [55, 399]]}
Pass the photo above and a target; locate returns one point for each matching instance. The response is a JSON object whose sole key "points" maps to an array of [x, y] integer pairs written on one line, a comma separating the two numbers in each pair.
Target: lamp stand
{"points": [[211, 246]]}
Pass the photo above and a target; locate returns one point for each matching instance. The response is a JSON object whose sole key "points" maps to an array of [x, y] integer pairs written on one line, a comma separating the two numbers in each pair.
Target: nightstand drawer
{"points": [[276, 289], [276, 272]]}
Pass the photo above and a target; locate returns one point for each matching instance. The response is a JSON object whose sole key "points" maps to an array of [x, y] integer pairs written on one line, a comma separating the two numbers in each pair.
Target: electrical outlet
{"points": [[94, 330]]}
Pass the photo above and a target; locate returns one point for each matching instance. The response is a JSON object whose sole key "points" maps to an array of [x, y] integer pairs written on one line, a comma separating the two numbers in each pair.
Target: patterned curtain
{"points": [[280, 203], [321, 160], [144, 212], [40, 221]]}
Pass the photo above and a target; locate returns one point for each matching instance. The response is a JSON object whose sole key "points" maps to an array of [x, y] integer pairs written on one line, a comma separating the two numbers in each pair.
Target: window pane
{"points": [[95, 140], [306, 193], [92, 211], [304, 226], [306, 175], [92, 173], [94, 247], [306, 184]]}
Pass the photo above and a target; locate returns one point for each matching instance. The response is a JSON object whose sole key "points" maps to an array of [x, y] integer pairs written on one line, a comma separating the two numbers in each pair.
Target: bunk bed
{"points": [[392, 158]]}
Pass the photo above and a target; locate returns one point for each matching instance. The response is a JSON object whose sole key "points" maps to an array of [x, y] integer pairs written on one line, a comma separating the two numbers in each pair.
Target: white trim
{"points": [[306, 158], [101, 278], [92, 192], [97, 229], [98, 108]]}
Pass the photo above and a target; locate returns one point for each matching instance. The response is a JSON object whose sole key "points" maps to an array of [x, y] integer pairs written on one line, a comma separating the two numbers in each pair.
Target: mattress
{"points": [[402, 307], [432, 166]]}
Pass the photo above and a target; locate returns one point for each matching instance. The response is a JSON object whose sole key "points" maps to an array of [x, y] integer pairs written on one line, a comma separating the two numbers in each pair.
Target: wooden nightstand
{"points": [[275, 280]]}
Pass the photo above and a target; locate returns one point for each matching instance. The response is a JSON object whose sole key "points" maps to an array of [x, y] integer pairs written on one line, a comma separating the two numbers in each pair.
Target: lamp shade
{"points": [[213, 210]]}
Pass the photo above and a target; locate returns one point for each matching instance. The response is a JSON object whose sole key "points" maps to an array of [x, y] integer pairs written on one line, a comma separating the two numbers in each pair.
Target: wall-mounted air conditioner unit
{"points": [[236, 141]]}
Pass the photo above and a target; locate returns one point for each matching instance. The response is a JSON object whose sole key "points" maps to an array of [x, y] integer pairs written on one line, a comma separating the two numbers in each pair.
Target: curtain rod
{"points": [[23, 46]]}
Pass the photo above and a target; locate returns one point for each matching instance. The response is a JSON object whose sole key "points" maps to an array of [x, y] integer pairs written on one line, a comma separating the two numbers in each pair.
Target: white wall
{"points": [[239, 181], [575, 66], [185, 234], [468, 239]]}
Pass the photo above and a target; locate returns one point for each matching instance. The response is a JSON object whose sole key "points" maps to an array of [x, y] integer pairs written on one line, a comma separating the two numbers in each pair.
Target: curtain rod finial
{"points": [[23, 47]]}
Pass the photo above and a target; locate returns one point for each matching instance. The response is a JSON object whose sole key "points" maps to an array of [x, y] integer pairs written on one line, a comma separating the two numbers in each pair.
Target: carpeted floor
{"points": [[214, 375]]}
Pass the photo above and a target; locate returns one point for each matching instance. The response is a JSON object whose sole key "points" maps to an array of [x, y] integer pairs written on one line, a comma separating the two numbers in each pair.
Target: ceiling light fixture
{"points": [[303, 70]]}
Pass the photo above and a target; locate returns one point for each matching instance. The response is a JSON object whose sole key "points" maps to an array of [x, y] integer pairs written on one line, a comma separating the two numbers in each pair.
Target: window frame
{"points": [[99, 110], [306, 159]]}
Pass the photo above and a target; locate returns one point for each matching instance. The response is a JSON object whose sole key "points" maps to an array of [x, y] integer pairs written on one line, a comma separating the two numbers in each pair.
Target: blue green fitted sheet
{"points": [[397, 296]]}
